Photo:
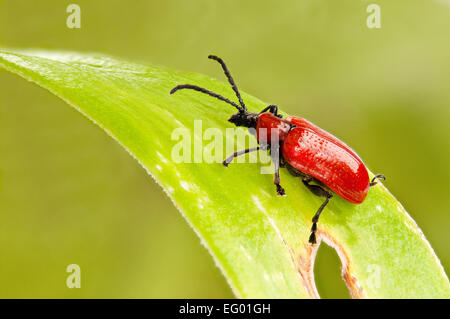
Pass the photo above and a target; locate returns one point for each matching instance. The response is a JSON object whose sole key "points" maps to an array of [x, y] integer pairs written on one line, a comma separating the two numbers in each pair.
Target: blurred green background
{"points": [[70, 194]]}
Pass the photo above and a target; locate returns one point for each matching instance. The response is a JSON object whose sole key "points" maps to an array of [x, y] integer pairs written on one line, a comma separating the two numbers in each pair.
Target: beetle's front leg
{"points": [[229, 159], [272, 109]]}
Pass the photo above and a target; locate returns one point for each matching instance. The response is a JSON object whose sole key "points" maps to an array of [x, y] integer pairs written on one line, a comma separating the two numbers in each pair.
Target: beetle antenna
{"points": [[374, 181], [230, 78], [211, 93]]}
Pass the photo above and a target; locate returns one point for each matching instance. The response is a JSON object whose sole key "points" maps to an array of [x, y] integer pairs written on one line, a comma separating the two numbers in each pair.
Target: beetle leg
{"points": [[319, 191], [276, 181], [296, 173], [374, 182], [274, 153], [272, 109], [229, 159]]}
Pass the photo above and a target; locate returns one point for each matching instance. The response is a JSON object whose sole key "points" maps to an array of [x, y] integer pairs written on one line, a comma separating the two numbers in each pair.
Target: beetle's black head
{"points": [[244, 118]]}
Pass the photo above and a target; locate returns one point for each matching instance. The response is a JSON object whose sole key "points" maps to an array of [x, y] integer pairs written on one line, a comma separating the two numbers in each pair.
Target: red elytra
{"points": [[319, 154], [306, 150]]}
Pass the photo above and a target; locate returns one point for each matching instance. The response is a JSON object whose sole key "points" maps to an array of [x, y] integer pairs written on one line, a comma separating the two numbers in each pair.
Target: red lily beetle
{"points": [[323, 162]]}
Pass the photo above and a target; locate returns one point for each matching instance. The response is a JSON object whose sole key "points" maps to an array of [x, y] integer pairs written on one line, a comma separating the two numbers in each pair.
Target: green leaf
{"points": [[257, 239]]}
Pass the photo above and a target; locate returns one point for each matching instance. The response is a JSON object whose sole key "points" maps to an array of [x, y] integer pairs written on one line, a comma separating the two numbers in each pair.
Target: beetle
{"points": [[324, 163]]}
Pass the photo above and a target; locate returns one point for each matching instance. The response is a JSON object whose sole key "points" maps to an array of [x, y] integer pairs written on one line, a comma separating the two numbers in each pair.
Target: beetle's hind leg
{"points": [[374, 181], [319, 191]]}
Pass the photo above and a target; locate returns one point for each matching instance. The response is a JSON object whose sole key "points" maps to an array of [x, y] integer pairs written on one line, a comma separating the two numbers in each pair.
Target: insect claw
{"points": [[374, 181], [312, 239], [280, 191]]}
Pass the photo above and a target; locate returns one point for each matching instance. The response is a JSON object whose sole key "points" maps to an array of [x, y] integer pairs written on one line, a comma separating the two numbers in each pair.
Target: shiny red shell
{"points": [[319, 154]]}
